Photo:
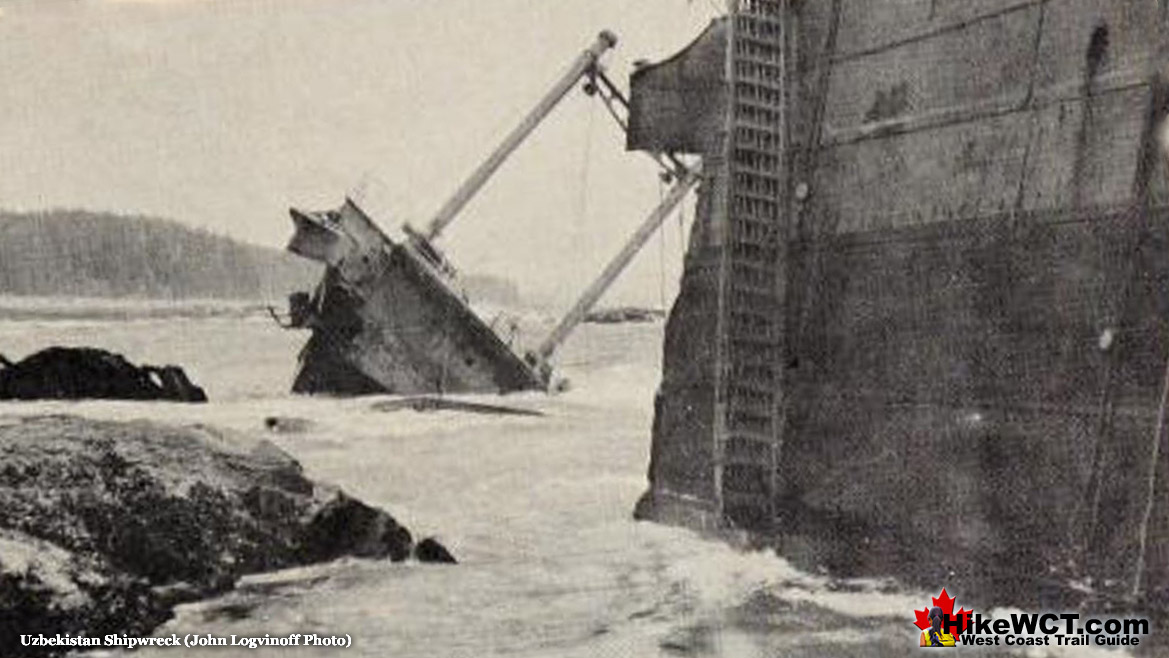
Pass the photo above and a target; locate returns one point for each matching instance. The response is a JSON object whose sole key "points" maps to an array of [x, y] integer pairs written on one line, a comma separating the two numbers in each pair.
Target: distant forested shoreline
{"points": [[91, 254], [79, 253]]}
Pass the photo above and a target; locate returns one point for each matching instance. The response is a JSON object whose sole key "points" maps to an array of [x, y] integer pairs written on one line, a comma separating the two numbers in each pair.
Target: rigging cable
{"points": [[661, 249], [682, 232], [582, 200], [1151, 488]]}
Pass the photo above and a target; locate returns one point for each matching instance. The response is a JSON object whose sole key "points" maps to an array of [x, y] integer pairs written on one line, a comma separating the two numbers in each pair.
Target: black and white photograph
{"points": [[584, 328]]}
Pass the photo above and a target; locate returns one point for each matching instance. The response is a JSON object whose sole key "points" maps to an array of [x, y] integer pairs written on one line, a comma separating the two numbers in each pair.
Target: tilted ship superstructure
{"points": [[390, 316]]}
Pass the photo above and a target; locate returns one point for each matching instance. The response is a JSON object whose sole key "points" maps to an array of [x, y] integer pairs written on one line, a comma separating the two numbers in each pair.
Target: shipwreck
{"points": [[389, 315], [924, 319]]}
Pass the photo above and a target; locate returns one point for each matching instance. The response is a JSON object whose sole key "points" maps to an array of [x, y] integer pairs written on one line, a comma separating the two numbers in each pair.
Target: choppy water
{"points": [[536, 509]]}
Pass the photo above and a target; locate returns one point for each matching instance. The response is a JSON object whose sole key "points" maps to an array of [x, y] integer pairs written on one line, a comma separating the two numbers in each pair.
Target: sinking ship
{"points": [[389, 315]]}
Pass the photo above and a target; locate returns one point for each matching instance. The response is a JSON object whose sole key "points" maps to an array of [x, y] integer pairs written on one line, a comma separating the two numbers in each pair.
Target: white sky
{"points": [[222, 113]]}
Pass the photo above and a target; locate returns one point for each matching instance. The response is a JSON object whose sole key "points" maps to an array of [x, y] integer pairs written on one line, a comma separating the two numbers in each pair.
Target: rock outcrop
{"points": [[104, 526], [48, 590], [73, 373], [429, 550]]}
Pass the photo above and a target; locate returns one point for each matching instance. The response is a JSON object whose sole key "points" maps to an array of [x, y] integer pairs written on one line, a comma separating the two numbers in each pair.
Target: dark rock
{"points": [[82, 372], [45, 589], [347, 526], [429, 550], [689, 641], [428, 403], [287, 424], [104, 525], [174, 384]]}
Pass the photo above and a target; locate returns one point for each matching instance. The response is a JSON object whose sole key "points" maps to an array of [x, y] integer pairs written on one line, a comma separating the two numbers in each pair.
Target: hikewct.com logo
{"points": [[942, 627]]}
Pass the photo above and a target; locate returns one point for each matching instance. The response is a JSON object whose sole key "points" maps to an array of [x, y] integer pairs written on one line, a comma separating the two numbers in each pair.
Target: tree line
{"points": [[82, 253]]}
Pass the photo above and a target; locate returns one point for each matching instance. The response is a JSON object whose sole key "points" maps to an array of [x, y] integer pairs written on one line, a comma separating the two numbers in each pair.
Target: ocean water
{"points": [[536, 509]]}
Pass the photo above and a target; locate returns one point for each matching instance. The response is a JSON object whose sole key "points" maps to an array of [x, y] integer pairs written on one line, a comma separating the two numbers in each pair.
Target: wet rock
{"points": [[105, 525], [429, 550], [82, 372], [287, 424], [45, 590], [624, 314], [347, 526], [427, 404], [696, 640]]}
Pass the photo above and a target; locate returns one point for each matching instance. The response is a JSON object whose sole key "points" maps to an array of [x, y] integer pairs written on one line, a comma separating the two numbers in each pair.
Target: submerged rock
{"points": [[83, 372], [427, 403], [624, 314], [105, 525], [429, 550], [287, 424]]}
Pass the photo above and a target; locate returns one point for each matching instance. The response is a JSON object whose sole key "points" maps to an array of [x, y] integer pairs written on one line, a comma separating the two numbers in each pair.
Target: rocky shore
{"points": [[105, 526]]}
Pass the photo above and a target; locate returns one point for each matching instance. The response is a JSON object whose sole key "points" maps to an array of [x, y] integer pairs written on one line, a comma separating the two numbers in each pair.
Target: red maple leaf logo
{"points": [[946, 603]]}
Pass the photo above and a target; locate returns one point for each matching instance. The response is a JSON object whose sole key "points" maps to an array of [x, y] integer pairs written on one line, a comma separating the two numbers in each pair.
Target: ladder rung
{"points": [[761, 173], [771, 84], [756, 195], [773, 130]]}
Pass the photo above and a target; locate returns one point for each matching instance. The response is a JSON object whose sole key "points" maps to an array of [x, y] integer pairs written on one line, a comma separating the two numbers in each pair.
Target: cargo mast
{"points": [[594, 292], [584, 64]]}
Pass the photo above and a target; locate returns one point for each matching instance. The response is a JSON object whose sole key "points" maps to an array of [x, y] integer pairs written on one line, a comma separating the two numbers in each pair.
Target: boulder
{"points": [[107, 524], [288, 424], [84, 372], [347, 526], [429, 550]]}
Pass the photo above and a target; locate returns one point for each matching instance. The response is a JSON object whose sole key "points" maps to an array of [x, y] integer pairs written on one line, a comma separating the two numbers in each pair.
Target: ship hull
{"points": [[386, 319], [955, 372]]}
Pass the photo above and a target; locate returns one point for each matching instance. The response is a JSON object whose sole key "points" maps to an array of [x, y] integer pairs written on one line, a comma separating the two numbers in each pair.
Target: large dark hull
{"points": [[387, 318], [955, 367]]}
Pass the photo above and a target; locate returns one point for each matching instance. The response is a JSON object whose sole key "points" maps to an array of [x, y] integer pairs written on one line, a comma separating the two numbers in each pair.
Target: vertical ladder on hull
{"points": [[748, 398]]}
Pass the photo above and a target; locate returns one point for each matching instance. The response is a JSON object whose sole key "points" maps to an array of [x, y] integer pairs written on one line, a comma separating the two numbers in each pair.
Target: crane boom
{"points": [[590, 296], [582, 66]]}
